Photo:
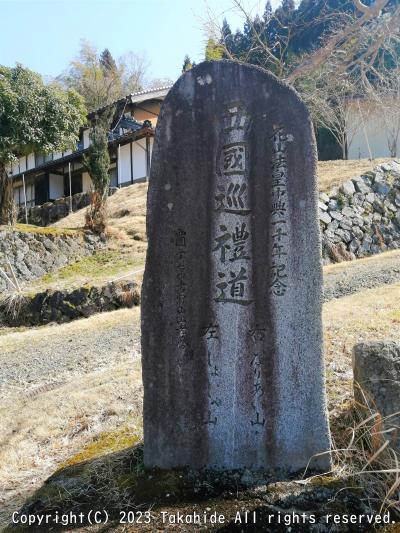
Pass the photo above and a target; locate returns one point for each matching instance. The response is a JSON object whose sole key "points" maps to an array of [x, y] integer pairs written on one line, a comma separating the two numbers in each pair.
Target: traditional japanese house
{"points": [[39, 178]]}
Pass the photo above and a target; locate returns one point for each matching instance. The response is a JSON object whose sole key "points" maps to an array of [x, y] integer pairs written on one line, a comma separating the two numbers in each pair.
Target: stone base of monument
{"points": [[190, 501]]}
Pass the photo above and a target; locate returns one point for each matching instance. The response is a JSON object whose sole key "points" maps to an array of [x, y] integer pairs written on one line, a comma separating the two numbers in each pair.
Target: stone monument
{"points": [[231, 300]]}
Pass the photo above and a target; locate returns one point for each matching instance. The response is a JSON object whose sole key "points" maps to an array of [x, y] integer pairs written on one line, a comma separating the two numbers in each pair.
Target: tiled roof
{"points": [[165, 88], [140, 96]]}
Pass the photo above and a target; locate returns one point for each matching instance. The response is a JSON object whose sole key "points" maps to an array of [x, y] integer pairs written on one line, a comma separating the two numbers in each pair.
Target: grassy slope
{"points": [[127, 221], [94, 405], [50, 230], [127, 207], [126, 249], [333, 173]]}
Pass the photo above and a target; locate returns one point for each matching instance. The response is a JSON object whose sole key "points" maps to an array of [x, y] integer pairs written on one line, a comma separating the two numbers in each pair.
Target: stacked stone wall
{"points": [[33, 254], [362, 216], [50, 212], [66, 305]]}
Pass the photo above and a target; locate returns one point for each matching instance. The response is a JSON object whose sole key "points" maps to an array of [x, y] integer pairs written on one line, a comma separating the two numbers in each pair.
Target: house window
{"points": [[18, 196], [30, 195]]}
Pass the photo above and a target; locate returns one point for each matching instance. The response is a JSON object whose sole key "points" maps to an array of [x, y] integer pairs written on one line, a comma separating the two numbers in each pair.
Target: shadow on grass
{"points": [[118, 482]]}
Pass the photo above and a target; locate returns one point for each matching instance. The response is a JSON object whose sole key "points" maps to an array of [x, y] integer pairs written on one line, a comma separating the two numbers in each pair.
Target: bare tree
{"points": [[102, 83], [384, 93], [271, 53], [133, 68], [358, 40], [330, 98], [334, 76], [155, 83]]}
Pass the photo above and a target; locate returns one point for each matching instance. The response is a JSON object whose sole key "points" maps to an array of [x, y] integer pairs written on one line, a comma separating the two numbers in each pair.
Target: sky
{"points": [[44, 35]]}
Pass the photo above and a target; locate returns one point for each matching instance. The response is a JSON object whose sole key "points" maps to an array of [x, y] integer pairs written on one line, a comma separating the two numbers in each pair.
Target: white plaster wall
{"points": [[139, 159], [151, 148], [125, 164], [87, 183], [31, 161], [86, 140], [372, 129], [57, 155], [15, 168], [22, 164], [56, 186]]}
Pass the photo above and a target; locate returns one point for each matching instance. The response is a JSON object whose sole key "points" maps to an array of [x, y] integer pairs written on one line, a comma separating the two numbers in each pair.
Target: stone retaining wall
{"points": [[50, 212], [362, 216], [32, 254], [64, 306]]}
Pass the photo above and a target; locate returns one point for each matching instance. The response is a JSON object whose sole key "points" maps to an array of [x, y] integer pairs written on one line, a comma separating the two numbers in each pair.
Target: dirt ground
{"points": [[65, 386], [61, 386]]}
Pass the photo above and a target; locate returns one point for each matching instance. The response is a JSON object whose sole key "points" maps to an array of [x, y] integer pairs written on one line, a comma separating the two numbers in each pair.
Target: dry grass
{"points": [[371, 315], [366, 316], [127, 207], [333, 173], [50, 230], [45, 429], [11, 302], [97, 269], [347, 266], [126, 245], [44, 426], [126, 212]]}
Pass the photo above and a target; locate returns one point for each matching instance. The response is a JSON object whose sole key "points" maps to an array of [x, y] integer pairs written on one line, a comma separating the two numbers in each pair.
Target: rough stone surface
{"points": [[370, 220], [64, 306], [33, 254], [376, 368], [348, 188], [50, 212], [231, 299]]}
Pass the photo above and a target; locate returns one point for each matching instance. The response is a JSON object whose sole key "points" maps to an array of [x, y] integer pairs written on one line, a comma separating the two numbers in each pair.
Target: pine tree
{"points": [[227, 37], [288, 6], [225, 30], [267, 12], [187, 64], [107, 62]]}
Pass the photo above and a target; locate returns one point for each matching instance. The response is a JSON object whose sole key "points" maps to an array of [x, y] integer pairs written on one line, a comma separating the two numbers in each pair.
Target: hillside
{"points": [[80, 383], [127, 207], [90, 372], [126, 250]]}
